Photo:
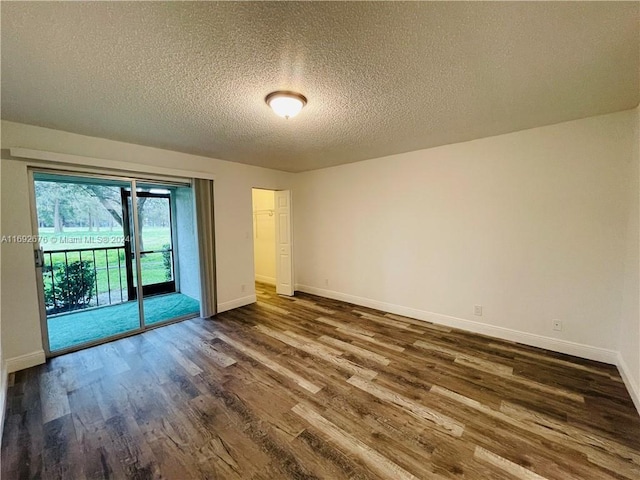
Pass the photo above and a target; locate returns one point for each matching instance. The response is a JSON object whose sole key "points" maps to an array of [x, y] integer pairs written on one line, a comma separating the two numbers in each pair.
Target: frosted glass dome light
{"points": [[286, 104]]}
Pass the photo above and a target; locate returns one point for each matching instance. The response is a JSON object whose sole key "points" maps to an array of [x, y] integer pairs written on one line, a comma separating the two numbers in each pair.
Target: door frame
{"points": [[44, 332], [290, 291], [155, 288]]}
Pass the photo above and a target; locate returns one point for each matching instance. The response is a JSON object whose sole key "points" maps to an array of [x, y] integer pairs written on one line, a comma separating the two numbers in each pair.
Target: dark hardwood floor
{"points": [[308, 388]]}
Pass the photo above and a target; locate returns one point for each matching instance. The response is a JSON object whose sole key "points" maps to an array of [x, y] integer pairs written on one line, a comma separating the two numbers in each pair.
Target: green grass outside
{"points": [[80, 237], [153, 270]]}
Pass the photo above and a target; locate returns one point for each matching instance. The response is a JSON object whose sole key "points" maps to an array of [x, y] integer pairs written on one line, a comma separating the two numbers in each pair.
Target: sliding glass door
{"points": [[107, 262]]}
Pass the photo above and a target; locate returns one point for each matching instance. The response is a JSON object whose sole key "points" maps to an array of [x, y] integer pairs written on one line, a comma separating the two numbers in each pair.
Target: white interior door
{"points": [[284, 262]]}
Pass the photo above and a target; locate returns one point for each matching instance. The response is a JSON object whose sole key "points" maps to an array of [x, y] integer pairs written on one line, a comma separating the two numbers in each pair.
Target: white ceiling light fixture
{"points": [[286, 104]]}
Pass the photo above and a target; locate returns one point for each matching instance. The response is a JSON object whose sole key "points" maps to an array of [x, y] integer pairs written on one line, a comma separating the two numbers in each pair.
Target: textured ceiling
{"points": [[381, 78]]}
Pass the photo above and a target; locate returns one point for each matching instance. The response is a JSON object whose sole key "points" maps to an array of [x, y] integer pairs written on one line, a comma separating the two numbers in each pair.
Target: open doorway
{"points": [[264, 238], [272, 241]]}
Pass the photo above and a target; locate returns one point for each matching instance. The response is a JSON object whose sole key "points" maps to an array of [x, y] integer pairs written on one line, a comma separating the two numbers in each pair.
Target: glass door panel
{"points": [[158, 229], [85, 274]]}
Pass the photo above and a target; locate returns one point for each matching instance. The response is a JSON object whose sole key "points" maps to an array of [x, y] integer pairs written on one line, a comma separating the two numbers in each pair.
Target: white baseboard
{"points": [[532, 339], [263, 279], [25, 361], [238, 302], [627, 378]]}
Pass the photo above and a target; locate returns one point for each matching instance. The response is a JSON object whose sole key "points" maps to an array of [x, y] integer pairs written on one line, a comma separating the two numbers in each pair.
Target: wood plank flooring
{"points": [[310, 388]]}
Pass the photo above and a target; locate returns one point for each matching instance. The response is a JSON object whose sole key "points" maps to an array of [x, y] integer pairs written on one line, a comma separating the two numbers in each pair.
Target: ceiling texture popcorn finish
{"points": [[381, 78]]}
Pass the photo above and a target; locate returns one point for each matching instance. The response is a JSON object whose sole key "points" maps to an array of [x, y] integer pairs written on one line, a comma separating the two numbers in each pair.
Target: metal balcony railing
{"points": [[84, 277], [91, 277]]}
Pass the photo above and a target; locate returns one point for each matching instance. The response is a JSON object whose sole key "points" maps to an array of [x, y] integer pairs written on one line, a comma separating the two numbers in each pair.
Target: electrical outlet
{"points": [[243, 288], [477, 310], [326, 282], [557, 325]]}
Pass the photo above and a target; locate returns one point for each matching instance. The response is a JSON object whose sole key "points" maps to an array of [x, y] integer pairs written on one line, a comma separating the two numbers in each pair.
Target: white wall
{"points": [[264, 236], [629, 340], [186, 252], [3, 369], [531, 225], [21, 338]]}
